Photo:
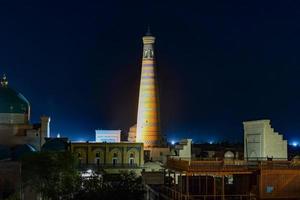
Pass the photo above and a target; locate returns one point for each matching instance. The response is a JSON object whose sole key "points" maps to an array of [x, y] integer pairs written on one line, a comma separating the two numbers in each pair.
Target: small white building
{"points": [[184, 149], [109, 136], [261, 142]]}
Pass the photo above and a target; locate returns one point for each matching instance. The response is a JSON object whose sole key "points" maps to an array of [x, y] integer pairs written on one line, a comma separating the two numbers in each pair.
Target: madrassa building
{"points": [[16, 131], [18, 136]]}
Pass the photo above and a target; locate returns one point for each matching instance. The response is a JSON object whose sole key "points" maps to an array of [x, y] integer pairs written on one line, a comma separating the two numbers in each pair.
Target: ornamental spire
{"points": [[4, 81], [148, 33]]}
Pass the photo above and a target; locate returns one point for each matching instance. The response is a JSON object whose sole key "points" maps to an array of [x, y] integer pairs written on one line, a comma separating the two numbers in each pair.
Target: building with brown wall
{"points": [[230, 179]]}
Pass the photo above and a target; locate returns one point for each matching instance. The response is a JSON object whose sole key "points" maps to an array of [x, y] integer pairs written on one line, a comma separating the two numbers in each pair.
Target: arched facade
{"points": [[99, 156], [80, 153], [115, 156], [133, 156], [110, 155]]}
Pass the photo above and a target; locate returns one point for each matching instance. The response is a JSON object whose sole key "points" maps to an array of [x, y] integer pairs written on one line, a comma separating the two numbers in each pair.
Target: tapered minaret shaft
{"points": [[148, 122]]}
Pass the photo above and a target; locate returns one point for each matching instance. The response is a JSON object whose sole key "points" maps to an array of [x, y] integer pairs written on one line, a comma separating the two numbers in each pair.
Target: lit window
{"points": [[270, 189], [230, 180]]}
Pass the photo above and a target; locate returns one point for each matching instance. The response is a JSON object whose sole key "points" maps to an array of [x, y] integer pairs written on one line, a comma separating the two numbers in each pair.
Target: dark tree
{"points": [[112, 187], [51, 174]]}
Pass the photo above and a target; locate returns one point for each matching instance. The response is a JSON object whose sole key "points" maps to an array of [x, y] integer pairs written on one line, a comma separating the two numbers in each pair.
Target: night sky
{"points": [[219, 63]]}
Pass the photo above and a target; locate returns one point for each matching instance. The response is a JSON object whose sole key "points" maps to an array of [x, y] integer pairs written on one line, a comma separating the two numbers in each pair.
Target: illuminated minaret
{"points": [[148, 123]]}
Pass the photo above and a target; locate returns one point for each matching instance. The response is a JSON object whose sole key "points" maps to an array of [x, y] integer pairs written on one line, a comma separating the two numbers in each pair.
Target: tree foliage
{"points": [[54, 176], [112, 187], [51, 174]]}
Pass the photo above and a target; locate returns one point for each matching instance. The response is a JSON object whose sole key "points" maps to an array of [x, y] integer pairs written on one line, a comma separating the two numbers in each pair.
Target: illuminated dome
{"points": [[229, 155], [14, 107]]}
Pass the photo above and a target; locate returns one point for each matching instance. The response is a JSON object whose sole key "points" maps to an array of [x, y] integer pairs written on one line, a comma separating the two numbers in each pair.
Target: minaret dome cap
{"points": [[148, 38]]}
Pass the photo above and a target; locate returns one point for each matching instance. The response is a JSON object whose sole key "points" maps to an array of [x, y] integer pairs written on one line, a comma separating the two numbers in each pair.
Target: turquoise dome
{"points": [[12, 101]]}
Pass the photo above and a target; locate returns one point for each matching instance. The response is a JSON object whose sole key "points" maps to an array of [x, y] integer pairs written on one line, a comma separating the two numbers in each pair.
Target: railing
{"points": [[170, 193], [209, 166], [108, 166], [228, 165], [279, 165]]}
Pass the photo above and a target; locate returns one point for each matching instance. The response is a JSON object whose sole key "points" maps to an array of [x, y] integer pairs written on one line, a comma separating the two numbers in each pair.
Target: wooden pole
{"points": [[206, 184], [223, 188], [187, 184], [199, 186], [180, 186], [214, 187]]}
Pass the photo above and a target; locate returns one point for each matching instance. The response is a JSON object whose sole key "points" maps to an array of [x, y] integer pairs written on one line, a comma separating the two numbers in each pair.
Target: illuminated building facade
{"points": [[261, 142], [148, 122], [111, 157]]}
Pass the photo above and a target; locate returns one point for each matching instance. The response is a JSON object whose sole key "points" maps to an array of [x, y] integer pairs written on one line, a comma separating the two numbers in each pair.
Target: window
{"points": [[270, 189], [114, 161], [131, 161], [230, 180], [147, 155], [97, 154]]}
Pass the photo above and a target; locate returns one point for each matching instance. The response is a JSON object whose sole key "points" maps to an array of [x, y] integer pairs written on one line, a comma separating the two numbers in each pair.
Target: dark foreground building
{"points": [[228, 179]]}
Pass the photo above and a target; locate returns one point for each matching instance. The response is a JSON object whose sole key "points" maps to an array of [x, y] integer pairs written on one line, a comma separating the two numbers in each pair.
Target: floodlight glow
{"points": [[172, 142], [295, 143], [87, 174]]}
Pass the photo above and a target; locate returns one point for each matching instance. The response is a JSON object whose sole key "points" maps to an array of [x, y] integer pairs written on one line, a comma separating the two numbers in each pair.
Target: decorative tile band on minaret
{"points": [[148, 122]]}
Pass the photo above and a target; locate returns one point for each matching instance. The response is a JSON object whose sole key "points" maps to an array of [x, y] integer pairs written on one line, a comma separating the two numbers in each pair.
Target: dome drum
{"points": [[14, 118]]}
